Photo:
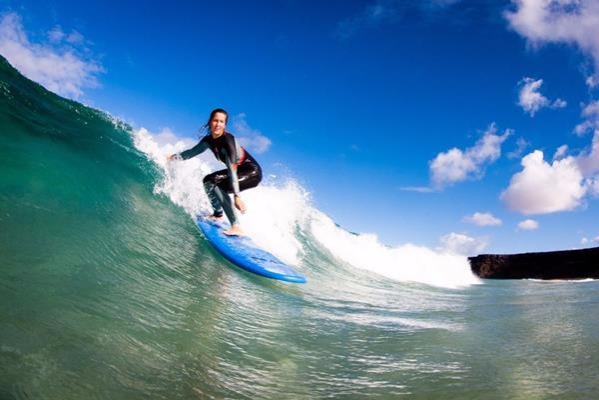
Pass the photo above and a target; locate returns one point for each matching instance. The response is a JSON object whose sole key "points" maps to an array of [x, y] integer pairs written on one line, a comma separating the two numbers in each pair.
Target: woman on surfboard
{"points": [[242, 172]]}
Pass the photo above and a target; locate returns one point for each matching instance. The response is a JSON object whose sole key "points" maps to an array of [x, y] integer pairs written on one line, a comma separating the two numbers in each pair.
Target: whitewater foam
{"points": [[277, 208], [403, 263]]}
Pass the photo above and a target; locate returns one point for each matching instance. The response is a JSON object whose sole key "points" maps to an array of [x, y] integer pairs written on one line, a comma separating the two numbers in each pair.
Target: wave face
{"points": [[108, 290]]}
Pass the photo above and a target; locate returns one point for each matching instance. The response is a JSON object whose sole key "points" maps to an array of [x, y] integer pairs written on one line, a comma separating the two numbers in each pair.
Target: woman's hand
{"points": [[239, 204]]}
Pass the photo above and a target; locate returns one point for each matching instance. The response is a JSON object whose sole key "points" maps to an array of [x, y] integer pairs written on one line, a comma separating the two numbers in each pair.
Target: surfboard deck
{"points": [[244, 253]]}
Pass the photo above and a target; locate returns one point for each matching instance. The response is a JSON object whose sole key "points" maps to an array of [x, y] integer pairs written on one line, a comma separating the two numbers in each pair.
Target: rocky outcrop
{"points": [[567, 264]]}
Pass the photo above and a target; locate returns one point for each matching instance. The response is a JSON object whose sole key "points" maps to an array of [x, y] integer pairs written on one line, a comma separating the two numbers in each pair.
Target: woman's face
{"points": [[218, 123]]}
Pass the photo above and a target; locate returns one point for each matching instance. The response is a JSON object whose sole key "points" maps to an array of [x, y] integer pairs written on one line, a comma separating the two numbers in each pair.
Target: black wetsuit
{"points": [[218, 184]]}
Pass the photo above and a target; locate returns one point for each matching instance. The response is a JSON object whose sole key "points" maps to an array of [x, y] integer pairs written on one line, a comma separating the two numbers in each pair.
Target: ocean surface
{"points": [[109, 291]]}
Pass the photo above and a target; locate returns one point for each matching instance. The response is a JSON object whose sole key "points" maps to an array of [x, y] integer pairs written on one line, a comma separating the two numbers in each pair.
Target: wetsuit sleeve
{"points": [[195, 150]]}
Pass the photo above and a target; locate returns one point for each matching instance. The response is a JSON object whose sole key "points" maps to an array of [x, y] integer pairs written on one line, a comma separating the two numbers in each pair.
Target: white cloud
{"points": [[590, 114], [592, 80], [583, 127], [542, 188], [482, 219], [573, 22], [528, 225], [592, 185], [589, 242], [456, 165], [591, 110], [560, 152], [531, 100], [60, 70], [458, 243], [56, 35], [521, 145], [588, 160], [250, 138], [562, 185], [75, 38], [559, 103]]}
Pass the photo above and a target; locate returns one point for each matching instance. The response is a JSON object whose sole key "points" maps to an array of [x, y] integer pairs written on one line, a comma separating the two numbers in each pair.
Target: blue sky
{"points": [[420, 121]]}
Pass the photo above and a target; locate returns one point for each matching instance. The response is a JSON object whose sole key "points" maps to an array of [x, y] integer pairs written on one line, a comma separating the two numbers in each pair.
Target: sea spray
{"points": [[402, 263], [279, 210]]}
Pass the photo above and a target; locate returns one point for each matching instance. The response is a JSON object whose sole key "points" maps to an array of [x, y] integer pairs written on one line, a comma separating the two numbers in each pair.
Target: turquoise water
{"points": [[108, 291]]}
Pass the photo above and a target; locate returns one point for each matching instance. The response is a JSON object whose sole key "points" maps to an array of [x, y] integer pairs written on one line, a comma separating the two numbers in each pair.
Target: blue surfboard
{"points": [[244, 253]]}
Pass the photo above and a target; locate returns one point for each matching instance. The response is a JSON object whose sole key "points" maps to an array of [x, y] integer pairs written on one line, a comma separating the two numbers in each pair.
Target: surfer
{"points": [[242, 172]]}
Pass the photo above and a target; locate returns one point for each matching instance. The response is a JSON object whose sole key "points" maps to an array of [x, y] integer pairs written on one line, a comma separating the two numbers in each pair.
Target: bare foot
{"points": [[235, 230]]}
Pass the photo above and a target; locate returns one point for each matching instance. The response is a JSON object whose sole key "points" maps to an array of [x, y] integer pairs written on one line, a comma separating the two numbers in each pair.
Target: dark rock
{"points": [[567, 264]]}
